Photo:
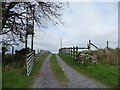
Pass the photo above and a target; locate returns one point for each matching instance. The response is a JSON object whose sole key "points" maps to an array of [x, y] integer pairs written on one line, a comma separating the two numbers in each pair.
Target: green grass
{"points": [[0, 75], [58, 72], [104, 73], [18, 78]]}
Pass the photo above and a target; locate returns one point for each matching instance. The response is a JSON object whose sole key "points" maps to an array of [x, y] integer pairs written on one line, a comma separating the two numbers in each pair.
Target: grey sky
{"points": [[96, 21]]}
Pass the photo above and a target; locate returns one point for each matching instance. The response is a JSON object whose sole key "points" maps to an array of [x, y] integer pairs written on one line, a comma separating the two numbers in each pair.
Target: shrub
{"points": [[109, 56], [15, 61]]}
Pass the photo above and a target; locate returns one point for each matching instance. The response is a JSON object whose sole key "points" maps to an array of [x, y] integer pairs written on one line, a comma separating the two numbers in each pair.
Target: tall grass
{"points": [[109, 56]]}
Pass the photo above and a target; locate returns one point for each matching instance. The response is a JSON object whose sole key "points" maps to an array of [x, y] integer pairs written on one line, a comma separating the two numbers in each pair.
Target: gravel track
{"points": [[46, 78], [77, 80]]}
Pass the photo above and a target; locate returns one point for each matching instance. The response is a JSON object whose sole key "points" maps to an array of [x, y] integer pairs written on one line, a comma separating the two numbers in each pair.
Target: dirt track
{"points": [[46, 77]]}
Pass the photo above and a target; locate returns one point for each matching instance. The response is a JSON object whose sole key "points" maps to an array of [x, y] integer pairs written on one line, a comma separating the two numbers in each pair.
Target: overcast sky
{"points": [[83, 21]]}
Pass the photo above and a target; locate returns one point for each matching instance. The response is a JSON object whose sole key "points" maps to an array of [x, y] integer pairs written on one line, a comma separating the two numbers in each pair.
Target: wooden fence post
{"points": [[73, 53], [61, 50], [89, 45], [107, 45], [65, 51], [69, 52], [76, 52]]}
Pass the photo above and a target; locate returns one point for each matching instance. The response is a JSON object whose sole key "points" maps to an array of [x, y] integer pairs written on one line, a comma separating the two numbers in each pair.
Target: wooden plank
{"points": [[94, 46], [82, 47]]}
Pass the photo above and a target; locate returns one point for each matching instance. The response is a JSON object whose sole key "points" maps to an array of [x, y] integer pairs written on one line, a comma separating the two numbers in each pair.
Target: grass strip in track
{"points": [[58, 72], [17, 78], [103, 73]]}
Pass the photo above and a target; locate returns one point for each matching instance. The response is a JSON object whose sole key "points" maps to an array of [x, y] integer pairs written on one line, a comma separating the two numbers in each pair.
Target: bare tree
{"points": [[15, 15]]}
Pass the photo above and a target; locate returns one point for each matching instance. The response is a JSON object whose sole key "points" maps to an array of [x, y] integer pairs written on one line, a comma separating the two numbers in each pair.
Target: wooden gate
{"points": [[29, 62]]}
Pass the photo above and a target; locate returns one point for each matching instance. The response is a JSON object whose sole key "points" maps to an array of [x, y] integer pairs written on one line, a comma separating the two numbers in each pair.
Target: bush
{"points": [[109, 56], [15, 61]]}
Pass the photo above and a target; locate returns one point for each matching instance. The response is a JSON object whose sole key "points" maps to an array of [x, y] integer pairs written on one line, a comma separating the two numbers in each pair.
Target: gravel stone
{"points": [[77, 80], [46, 78]]}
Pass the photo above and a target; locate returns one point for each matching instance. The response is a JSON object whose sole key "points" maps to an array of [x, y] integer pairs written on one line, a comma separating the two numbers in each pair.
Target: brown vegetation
{"points": [[18, 60], [109, 55]]}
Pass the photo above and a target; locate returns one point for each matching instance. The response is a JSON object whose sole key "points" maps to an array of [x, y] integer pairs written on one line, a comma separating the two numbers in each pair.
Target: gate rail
{"points": [[29, 62]]}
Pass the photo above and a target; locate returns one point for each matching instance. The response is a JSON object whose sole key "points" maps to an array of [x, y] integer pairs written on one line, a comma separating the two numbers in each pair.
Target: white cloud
{"points": [[86, 23], [83, 21], [85, 0]]}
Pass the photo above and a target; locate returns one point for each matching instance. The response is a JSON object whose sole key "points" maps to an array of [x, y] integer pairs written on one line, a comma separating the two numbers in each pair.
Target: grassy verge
{"points": [[104, 73], [58, 72], [17, 78], [0, 75]]}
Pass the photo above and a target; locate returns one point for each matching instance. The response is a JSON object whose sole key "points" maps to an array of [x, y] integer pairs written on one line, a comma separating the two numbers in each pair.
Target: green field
{"points": [[102, 72], [17, 78], [58, 72]]}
